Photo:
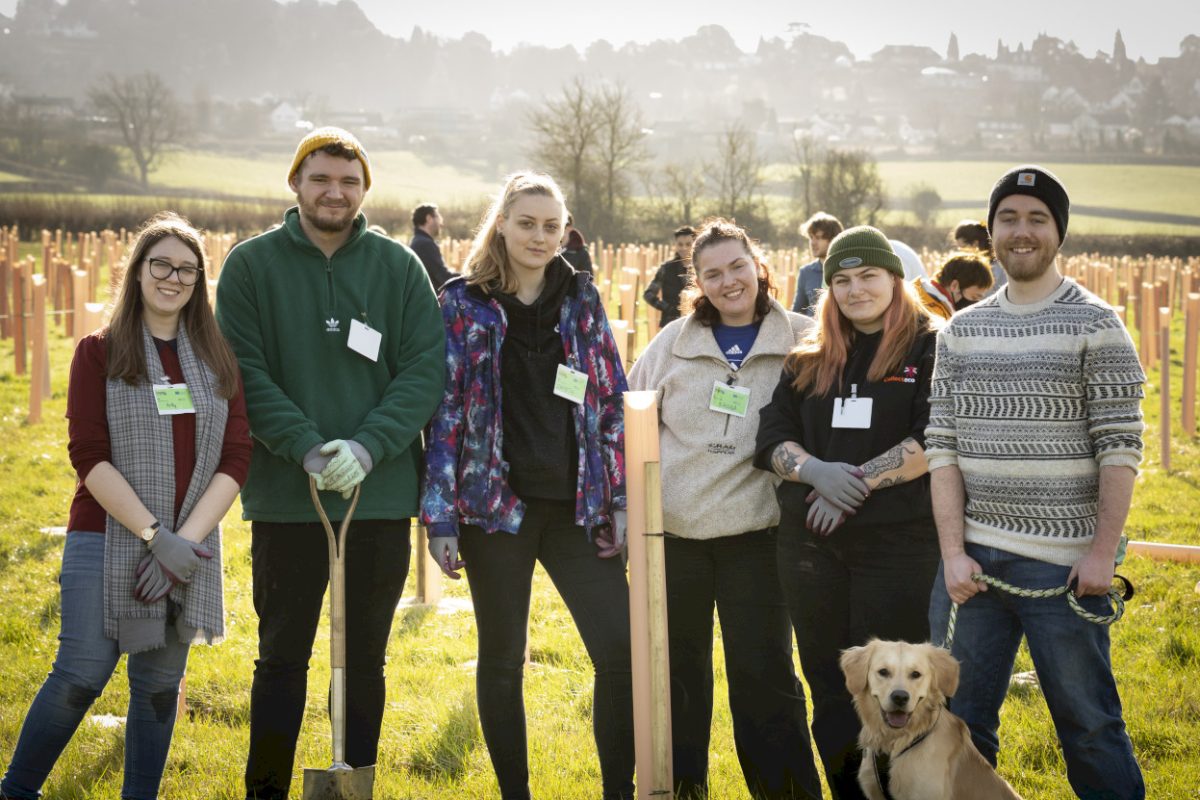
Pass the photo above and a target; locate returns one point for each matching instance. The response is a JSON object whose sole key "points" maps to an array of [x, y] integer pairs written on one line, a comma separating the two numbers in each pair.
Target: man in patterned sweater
{"points": [[1033, 443]]}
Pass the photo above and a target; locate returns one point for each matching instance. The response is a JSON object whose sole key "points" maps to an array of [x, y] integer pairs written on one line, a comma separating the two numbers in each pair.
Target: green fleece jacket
{"points": [[286, 310]]}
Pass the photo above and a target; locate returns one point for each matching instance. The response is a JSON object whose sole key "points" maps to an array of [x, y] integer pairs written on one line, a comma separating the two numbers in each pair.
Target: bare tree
{"points": [[684, 183], [737, 171], [806, 159], [620, 139], [849, 187], [567, 130], [145, 110], [924, 201]]}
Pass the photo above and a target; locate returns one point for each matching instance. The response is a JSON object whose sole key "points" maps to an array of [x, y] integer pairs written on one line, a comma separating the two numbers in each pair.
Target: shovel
{"points": [[341, 781]]}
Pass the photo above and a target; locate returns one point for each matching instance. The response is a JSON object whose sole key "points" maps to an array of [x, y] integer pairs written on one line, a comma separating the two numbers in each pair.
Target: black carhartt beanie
{"points": [[1037, 182]]}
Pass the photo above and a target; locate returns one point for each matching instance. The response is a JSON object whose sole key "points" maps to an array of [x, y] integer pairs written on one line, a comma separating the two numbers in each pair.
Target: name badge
{"points": [[173, 398], [728, 399], [364, 339], [852, 411], [570, 384]]}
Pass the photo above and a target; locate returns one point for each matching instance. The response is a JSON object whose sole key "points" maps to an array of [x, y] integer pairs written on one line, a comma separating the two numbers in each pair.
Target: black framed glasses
{"points": [[161, 269]]}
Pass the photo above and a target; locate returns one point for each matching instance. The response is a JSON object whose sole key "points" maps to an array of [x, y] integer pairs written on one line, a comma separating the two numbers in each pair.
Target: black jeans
{"points": [[842, 590], [291, 571], [736, 574], [500, 574]]}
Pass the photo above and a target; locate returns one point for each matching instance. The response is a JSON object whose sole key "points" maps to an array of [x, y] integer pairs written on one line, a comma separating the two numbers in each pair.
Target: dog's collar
{"points": [[883, 762]]}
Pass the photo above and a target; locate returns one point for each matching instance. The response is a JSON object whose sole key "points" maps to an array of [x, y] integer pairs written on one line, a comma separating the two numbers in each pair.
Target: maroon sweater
{"points": [[87, 430]]}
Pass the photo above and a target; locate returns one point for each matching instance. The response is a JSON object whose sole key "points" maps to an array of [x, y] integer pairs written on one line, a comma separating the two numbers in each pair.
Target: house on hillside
{"points": [[284, 118]]}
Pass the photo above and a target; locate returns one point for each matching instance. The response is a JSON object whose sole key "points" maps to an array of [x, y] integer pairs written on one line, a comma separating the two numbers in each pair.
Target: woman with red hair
{"points": [[845, 430]]}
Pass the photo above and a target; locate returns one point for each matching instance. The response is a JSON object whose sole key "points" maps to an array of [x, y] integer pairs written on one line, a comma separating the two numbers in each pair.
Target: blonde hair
{"points": [[487, 263]]}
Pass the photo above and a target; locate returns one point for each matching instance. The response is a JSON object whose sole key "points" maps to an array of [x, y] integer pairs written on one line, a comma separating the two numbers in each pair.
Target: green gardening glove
{"points": [[348, 465]]}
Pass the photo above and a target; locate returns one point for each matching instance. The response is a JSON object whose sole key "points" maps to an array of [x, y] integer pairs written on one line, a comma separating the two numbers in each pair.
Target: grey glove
{"points": [[610, 540], [823, 517], [178, 557], [348, 465], [444, 550], [314, 463], [841, 484], [153, 584]]}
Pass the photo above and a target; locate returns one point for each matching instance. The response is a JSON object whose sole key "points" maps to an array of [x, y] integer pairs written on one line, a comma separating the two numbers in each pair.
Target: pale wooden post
{"points": [[38, 378], [429, 574], [620, 329], [1164, 406], [647, 599], [79, 284], [19, 271], [1191, 337]]}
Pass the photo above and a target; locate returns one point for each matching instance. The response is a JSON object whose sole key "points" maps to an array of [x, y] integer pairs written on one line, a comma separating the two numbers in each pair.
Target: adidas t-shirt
{"points": [[735, 341]]}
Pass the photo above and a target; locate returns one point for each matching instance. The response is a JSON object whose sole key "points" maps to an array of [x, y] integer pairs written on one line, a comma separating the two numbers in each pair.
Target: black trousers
{"points": [[842, 590], [737, 576], [500, 574], [291, 570]]}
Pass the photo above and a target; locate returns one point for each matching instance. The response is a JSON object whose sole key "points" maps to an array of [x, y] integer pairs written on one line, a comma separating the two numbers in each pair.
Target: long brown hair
{"points": [[487, 262], [713, 232], [123, 336], [820, 357]]}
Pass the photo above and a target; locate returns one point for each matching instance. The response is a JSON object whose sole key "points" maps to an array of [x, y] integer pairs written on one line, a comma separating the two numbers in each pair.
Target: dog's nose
{"points": [[899, 698]]}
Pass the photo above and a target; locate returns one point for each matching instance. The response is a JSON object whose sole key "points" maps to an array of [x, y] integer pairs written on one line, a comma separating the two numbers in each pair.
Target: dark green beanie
{"points": [[861, 246]]}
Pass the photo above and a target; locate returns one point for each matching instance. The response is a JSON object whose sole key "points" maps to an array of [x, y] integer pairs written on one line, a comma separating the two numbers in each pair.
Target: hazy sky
{"points": [[1151, 28]]}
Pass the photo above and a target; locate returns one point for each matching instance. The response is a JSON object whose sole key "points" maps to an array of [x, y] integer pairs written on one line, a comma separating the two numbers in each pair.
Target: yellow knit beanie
{"points": [[327, 136]]}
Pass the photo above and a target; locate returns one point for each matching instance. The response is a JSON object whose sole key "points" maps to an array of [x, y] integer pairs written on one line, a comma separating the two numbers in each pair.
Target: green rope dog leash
{"points": [[1116, 598]]}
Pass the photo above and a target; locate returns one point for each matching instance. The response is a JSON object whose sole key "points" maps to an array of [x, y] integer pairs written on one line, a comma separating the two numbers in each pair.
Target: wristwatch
{"points": [[147, 533]]}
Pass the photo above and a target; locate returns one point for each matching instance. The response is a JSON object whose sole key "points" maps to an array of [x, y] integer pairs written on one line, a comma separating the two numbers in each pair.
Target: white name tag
{"points": [[727, 399], [852, 411], [364, 339], [173, 398], [570, 384]]}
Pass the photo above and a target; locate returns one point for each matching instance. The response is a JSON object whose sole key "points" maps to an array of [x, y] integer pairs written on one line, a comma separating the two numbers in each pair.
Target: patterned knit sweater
{"points": [[1029, 401]]}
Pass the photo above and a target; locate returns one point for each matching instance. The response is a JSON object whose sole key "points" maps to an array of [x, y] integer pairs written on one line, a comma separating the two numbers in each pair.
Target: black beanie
{"points": [[1036, 182]]}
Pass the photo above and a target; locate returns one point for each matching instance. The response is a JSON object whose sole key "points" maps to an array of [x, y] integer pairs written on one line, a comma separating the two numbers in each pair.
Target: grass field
{"points": [[431, 746]]}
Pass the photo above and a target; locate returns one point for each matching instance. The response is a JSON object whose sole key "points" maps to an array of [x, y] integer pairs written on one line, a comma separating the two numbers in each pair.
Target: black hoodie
{"points": [[539, 428]]}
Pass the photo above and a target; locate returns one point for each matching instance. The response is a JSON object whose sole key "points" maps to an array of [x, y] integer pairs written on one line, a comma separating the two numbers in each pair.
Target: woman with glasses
{"points": [[158, 436]]}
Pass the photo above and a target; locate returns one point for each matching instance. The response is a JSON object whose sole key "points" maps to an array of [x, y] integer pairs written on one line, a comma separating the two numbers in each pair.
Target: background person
{"points": [[721, 515], [665, 291], [524, 464], [575, 249], [845, 430], [972, 234], [427, 226], [338, 336], [963, 279], [819, 229], [142, 565]]}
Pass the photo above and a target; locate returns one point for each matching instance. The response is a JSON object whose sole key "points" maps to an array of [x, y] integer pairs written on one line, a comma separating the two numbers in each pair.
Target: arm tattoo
{"points": [[890, 460], [785, 460]]}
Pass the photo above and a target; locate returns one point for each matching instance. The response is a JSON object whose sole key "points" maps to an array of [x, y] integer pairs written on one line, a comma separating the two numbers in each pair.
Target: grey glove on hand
{"points": [[314, 463], [153, 584], [840, 484], [823, 517], [177, 556], [444, 550], [610, 540], [348, 465]]}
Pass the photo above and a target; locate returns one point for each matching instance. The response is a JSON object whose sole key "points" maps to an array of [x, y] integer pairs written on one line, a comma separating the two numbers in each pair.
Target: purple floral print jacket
{"points": [[465, 471]]}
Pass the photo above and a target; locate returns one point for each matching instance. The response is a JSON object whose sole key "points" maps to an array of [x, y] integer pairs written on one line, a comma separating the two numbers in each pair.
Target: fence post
{"points": [[39, 376], [18, 314], [1164, 406], [1191, 337]]}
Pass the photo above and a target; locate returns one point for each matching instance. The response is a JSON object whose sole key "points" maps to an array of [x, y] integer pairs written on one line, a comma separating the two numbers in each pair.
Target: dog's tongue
{"points": [[897, 719]]}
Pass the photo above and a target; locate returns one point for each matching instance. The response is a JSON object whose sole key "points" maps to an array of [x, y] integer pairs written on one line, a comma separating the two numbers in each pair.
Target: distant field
{"points": [[8, 177], [1144, 188], [1080, 223], [397, 175]]}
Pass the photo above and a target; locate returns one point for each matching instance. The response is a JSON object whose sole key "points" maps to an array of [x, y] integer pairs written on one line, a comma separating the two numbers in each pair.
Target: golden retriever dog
{"points": [[911, 743]]}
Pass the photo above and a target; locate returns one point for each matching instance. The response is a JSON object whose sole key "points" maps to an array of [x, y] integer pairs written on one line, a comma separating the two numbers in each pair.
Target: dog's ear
{"points": [[854, 663], [945, 669]]}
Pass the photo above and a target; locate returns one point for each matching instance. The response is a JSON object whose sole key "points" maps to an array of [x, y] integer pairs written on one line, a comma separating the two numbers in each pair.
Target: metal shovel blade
{"points": [[339, 782]]}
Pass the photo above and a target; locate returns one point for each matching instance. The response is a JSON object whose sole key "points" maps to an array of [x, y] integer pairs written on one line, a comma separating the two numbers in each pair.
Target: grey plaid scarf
{"points": [[143, 452]]}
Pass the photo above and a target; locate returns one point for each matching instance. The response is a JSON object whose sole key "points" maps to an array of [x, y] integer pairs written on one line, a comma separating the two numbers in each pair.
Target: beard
{"points": [[1027, 269], [334, 220]]}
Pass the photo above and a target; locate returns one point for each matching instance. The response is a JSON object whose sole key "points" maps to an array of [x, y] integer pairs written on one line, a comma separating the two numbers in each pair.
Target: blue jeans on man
{"points": [[1070, 654], [85, 662]]}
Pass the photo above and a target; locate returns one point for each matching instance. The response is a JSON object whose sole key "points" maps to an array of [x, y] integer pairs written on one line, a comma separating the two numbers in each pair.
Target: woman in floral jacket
{"points": [[524, 463]]}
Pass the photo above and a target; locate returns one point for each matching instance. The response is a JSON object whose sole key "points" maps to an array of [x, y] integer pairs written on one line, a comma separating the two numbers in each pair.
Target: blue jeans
{"points": [[1071, 656], [84, 663]]}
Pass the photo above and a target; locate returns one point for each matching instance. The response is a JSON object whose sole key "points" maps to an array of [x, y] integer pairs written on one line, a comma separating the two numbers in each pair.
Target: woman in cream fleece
{"points": [[713, 370]]}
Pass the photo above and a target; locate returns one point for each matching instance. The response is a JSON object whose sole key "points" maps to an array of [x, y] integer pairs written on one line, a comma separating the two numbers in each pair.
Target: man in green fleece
{"points": [[342, 351]]}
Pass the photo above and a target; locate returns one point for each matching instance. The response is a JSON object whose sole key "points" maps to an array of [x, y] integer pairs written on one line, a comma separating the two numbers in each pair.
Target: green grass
{"points": [[8, 177], [431, 745], [396, 175]]}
